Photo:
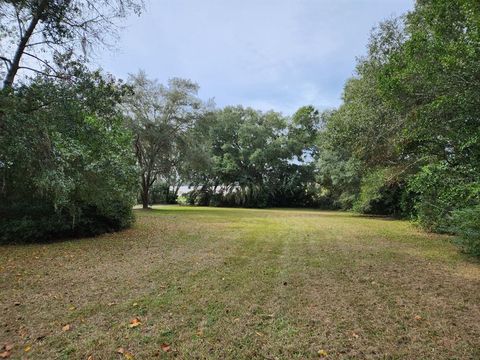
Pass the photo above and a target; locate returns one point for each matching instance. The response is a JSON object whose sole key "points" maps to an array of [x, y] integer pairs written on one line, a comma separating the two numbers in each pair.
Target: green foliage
{"points": [[338, 171], [257, 159], [466, 223], [439, 190], [379, 193], [66, 162], [407, 137], [162, 193], [202, 197]]}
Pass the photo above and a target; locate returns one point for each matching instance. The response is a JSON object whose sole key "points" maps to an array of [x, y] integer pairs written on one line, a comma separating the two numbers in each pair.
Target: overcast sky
{"points": [[268, 54]]}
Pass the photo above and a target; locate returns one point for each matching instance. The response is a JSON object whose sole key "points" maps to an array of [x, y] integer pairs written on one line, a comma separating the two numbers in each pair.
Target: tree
{"points": [[246, 144], [39, 35], [161, 118], [66, 165], [257, 159]]}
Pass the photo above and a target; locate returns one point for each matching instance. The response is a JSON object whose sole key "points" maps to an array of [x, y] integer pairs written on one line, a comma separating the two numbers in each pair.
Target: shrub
{"points": [[162, 194], [379, 194], [199, 196], [440, 189], [466, 223]]}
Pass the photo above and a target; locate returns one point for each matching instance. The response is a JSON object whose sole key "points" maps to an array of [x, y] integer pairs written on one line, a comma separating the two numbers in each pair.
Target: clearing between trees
{"points": [[193, 282]]}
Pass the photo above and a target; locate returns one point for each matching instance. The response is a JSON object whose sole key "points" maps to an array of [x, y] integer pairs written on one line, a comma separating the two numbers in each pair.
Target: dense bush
{"points": [[466, 223], [66, 163], [161, 193], [379, 194], [441, 189], [201, 196]]}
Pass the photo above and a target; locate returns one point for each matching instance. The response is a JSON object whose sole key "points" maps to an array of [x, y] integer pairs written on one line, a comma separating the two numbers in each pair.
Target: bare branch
{"points": [[21, 28], [44, 42], [8, 62], [44, 62], [41, 72]]}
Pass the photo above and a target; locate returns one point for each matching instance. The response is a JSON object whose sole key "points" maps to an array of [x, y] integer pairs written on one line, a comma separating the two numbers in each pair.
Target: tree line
{"points": [[406, 140], [78, 148], [233, 156]]}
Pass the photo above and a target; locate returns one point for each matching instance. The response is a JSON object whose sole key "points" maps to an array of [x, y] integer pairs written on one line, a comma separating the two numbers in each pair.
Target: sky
{"points": [[267, 54]]}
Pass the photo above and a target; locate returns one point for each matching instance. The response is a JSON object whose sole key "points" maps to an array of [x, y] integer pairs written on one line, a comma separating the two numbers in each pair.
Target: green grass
{"points": [[241, 284]]}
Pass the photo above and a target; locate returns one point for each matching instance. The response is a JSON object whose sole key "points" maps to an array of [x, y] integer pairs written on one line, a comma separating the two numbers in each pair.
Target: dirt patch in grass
{"points": [[243, 284]]}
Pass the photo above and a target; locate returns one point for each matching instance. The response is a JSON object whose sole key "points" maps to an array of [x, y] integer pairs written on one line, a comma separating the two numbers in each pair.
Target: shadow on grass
{"points": [[379, 217], [236, 211], [253, 212], [59, 239]]}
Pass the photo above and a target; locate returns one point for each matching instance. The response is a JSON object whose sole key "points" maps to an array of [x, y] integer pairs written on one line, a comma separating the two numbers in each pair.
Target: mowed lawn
{"points": [[213, 283]]}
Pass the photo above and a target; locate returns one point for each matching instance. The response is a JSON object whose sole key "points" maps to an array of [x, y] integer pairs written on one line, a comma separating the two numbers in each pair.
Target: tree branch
{"points": [[44, 62], [41, 72], [21, 29], [8, 62], [12, 72]]}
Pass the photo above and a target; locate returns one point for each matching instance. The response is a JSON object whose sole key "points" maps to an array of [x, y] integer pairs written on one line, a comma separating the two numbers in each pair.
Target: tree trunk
{"points": [[167, 194], [145, 191], [15, 64], [144, 196]]}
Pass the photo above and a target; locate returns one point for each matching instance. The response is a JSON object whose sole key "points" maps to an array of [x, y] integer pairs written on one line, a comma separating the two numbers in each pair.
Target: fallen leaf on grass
{"points": [[66, 327], [71, 308], [127, 355], [135, 322], [112, 303], [5, 354], [418, 317], [8, 347], [27, 348], [322, 353], [165, 347]]}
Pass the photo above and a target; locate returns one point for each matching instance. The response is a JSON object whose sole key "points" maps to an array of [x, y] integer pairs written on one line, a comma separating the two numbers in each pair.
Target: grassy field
{"points": [[210, 283]]}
